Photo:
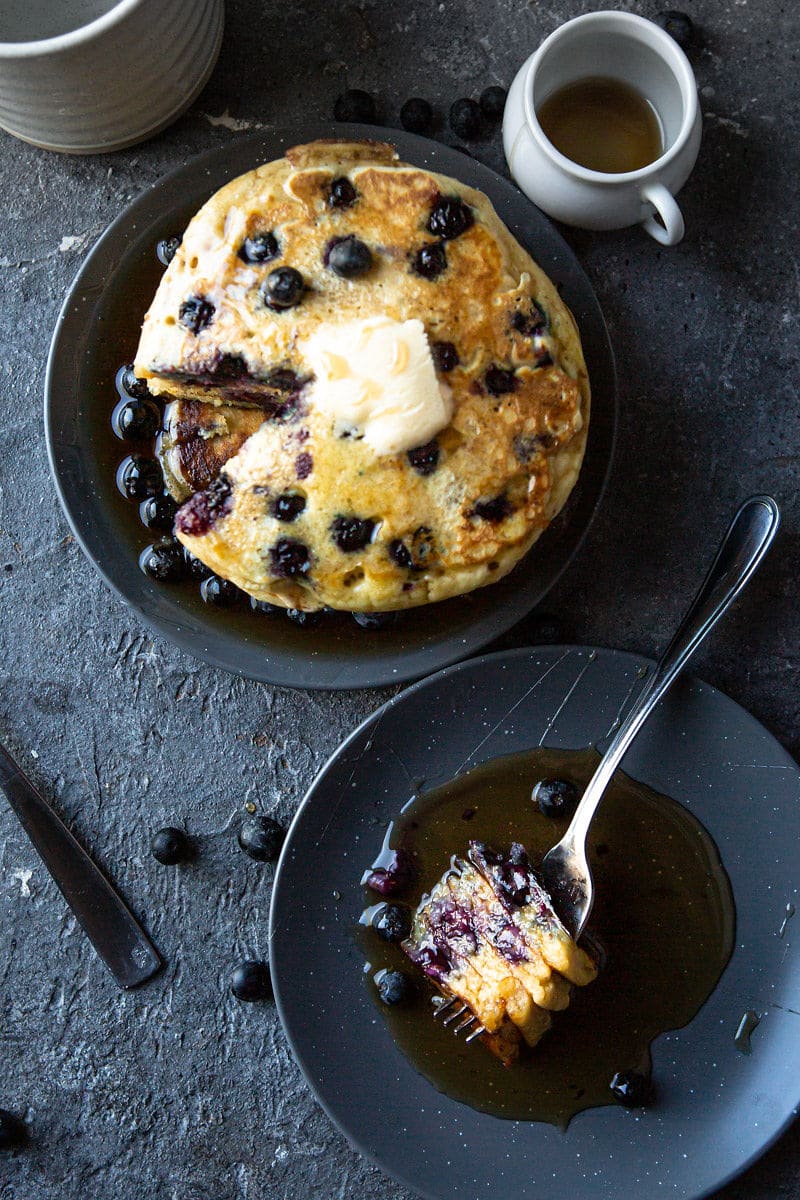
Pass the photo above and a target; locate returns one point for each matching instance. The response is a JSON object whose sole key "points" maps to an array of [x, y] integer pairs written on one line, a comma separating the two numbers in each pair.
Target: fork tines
{"points": [[463, 1014]]}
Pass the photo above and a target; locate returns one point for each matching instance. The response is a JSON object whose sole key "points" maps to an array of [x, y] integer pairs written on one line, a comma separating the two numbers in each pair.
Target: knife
{"points": [[106, 919]]}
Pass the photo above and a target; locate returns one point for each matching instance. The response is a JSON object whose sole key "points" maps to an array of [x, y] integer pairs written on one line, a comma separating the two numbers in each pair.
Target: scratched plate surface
{"points": [[718, 1108], [98, 329]]}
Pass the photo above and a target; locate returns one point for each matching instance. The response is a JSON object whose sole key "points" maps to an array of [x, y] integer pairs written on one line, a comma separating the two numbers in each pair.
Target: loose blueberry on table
{"points": [[251, 981], [465, 118], [678, 25], [261, 838], [416, 115], [355, 105], [13, 1133], [170, 846], [556, 797], [492, 102]]}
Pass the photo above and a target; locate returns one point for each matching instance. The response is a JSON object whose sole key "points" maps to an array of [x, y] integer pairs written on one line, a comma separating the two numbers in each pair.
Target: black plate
{"points": [[98, 329], [718, 1109]]}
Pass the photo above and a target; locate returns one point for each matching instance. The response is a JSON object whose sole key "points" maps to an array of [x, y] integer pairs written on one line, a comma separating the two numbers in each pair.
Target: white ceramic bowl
{"points": [[105, 75]]}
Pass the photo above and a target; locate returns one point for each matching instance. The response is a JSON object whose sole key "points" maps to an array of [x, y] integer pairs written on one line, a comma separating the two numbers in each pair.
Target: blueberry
{"points": [[492, 102], [284, 379], [352, 533], [167, 248], [430, 261], [499, 381], [139, 477], [307, 619], [283, 288], [392, 922], [202, 512], [261, 838], [164, 562], [303, 465], [394, 987], [445, 356], [450, 217], [400, 554], [251, 981], [196, 313], [287, 507], [259, 248], [170, 846], [218, 591], [342, 193], [348, 257], [542, 629], [395, 877], [374, 620], [678, 25], [465, 118], [158, 512], [265, 609], [416, 115], [527, 445], [355, 105], [195, 567], [497, 508], [137, 420], [556, 797], [289, 558], [531, 322], [632, 1088], [424, 459], [12, 1131], [132, 385]]}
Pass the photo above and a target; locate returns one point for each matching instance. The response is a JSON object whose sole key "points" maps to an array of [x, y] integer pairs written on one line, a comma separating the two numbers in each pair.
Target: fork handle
{"points": [[748, 538], [106, 920]]}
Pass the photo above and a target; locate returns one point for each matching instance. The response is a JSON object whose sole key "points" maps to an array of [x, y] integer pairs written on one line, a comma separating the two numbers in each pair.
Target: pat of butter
{"points": [[377, 380]]}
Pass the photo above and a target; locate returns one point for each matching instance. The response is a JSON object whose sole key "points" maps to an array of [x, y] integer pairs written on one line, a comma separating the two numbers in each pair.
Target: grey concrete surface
{"points": [[176, 1092]]}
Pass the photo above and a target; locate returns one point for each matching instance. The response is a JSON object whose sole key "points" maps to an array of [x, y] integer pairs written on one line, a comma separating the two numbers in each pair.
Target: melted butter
{"points": [[375, 377], [663, 919]]}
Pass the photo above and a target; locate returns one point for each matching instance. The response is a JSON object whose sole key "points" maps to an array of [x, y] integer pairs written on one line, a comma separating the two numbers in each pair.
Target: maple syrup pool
{"points": [[663, 916]]}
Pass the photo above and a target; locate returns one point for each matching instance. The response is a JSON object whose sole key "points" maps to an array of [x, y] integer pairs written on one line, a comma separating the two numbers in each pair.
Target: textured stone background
{"points": [[176, 1091]]}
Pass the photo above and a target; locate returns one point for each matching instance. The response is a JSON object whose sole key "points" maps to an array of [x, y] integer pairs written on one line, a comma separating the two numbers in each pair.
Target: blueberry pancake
{"points": [[401, 393]]}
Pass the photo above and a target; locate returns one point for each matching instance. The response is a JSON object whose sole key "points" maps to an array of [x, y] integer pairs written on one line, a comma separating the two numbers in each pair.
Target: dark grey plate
{"points": [[718, 1109], [98, 330]]}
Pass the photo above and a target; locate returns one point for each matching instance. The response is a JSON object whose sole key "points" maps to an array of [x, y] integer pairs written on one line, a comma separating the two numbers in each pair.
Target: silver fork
{"points": [[565, 869]]}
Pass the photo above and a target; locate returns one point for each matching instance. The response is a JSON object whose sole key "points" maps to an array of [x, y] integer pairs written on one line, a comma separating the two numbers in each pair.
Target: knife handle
{"points": [[105, 918]]}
